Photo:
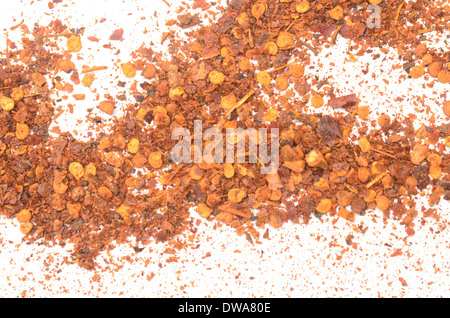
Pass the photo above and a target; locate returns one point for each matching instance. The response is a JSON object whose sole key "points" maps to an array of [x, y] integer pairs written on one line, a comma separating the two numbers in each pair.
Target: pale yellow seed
{"points": [[236, 195], [317, 101], [324, 206], [434, 159], [176, 92], [263, 78], [90, 170], [258, 10], [302, 7], [243, 19], [364, 144], [371, 197], [6, 103], [77, 170], [17, 94], [337, 13], [22, 131], [228, 170], [435, 172], [196, 173], [271, 115], [285, 40], [216, 77], [271, 48], [26, 227], [128, 69], [383, 203], [155, 160], [74, 44], [228, 101], [133, 146], [203, 210], [23, 216]]}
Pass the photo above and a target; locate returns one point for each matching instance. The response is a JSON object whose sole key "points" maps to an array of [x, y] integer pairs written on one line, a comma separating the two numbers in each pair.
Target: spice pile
{"points": [[246, 70]]}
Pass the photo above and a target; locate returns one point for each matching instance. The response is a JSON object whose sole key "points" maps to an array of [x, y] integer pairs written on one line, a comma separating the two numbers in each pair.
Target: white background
{"points": [[296, 261]]}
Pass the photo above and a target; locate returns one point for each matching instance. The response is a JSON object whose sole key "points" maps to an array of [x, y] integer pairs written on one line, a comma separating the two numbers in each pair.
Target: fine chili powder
{"points": [[65, 190]]}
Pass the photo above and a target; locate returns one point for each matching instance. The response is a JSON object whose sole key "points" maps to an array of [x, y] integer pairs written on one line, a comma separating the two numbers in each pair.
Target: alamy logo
{"points": [[374, 20], [233, 146]]}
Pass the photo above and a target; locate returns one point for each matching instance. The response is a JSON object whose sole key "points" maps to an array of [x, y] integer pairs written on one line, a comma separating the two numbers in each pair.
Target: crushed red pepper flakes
{"points": [[318, 166]]}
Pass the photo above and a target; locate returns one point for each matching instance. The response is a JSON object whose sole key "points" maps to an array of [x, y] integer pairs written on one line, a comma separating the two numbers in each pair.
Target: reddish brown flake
{"points": [[117, 35], [344, 101]]}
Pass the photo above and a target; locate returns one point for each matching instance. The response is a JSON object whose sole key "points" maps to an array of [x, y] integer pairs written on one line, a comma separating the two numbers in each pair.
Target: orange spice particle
{"points": [[23, 216], [222, 74], [296, 70], [22, 131], [364, 144], [285, 40], [216, 77], [128, 69], [74, 44], [324, 206], [263, 78], [17, 94], [447, 108], [337, 13], [155, 160], [236, 195], [77, 170], [26, 227], [106, 107], [281, 83], [317, 101], [258, 10], [383, 203], [271, 48], [87, 80], [228, 170], [149, 71], [133, 145]]}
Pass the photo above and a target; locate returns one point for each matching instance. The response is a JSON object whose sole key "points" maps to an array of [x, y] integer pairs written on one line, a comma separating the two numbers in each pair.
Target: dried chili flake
{"points": [[107, 107], [344, 101], [74, 44], [236, 195], [117, 35]]}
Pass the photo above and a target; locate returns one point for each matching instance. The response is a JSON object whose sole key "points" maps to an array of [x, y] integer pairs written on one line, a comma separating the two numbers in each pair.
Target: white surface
{"points": [[297, 260]]}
